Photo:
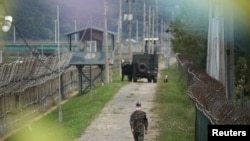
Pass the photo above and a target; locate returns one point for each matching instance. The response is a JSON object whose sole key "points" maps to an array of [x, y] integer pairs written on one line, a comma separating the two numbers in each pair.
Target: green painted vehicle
{"points": [[145, 66]]}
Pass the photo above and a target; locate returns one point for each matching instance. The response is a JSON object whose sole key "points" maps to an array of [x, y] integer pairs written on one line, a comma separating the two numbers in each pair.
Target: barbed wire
{"points": [[209, 96]]}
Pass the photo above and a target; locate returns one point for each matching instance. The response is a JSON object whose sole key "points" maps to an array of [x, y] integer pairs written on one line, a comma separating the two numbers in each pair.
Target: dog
{"points": [[165, 80]]}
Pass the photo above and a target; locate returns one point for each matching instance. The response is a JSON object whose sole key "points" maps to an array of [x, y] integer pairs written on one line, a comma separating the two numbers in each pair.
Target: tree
{"points": [[190, 34], [241, 77]]}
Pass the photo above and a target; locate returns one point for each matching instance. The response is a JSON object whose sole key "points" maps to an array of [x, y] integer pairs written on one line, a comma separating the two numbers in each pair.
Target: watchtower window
{"points": [[91, 46]]}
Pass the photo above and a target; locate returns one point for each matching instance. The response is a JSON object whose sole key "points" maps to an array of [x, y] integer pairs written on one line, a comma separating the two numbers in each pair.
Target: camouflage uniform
{"points": [[138, 124]]}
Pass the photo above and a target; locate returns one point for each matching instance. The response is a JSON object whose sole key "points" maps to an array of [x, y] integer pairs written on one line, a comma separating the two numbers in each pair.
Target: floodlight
{"points": [[6, 25]]}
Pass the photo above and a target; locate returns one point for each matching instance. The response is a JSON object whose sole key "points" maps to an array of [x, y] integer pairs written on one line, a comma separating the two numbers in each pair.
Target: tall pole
{"points": [[1, 56], [105, 44], [161, 34], [120, 36], [216, 47], [229, 46], [156, 18], [55, 31], [144, 26], [137, 30], [153, 23], [168, 36], [59, 70], [149, 30], [222, 69], [153, 31], [129, 30], [75, 30], [14, 34]]}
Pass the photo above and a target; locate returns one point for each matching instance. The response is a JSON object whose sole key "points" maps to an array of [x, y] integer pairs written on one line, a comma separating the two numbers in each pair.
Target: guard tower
{"points": [[151, 45], [90, 53]]}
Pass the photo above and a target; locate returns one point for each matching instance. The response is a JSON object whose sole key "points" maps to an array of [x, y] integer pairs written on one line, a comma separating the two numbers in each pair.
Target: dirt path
{"points": [[112, 124]]}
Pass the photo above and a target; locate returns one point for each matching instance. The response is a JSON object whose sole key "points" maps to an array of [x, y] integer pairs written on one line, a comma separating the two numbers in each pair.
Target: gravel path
{"points": [[112, 124]]}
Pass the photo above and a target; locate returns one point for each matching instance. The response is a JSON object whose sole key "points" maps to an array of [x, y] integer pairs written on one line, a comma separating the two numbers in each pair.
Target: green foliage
{"points": [[242, 77], [190, 39], [190, 32], [189, 43], [242, 57]]}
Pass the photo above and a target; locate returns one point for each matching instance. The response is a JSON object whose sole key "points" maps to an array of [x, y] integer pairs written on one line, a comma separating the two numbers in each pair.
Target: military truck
{"points": [[144, 66]]}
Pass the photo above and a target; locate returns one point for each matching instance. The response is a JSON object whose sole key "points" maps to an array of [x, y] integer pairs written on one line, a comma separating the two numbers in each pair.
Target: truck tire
{"points": [[130, 78], [149, 80], [154, 80], [135, 79], [142, 67]]}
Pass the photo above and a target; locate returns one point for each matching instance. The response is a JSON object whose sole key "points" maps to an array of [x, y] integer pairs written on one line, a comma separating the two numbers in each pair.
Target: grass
{"points": [[78, 112], [174, 108]]}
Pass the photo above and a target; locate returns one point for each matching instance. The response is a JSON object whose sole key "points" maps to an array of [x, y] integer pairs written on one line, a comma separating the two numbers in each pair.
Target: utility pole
{"points": [[153, 31], [105, 43], [129, 30], [59, 70], [156, 18], [55, 31], [161, 34], [75, 30], [168, 37], [137, 30], [149, 30], [14, 34], [216, 46], [229, 46], [144, 26], [129, 17], [120, 36]]}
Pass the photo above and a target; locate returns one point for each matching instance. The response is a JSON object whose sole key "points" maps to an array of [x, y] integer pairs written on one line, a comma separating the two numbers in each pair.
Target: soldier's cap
{"points": [[138, 104]]}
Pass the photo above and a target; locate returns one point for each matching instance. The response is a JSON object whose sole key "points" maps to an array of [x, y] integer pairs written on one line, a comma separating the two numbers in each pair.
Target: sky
{"points": [[87, 11], [91, 11]]}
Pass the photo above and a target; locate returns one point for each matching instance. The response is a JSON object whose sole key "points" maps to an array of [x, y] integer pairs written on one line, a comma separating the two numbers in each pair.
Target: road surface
{"points": [[112, 124]]}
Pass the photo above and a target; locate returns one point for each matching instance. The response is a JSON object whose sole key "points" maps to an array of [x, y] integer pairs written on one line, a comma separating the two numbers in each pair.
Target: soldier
{"points": [[138, 123], [126, 69]]}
